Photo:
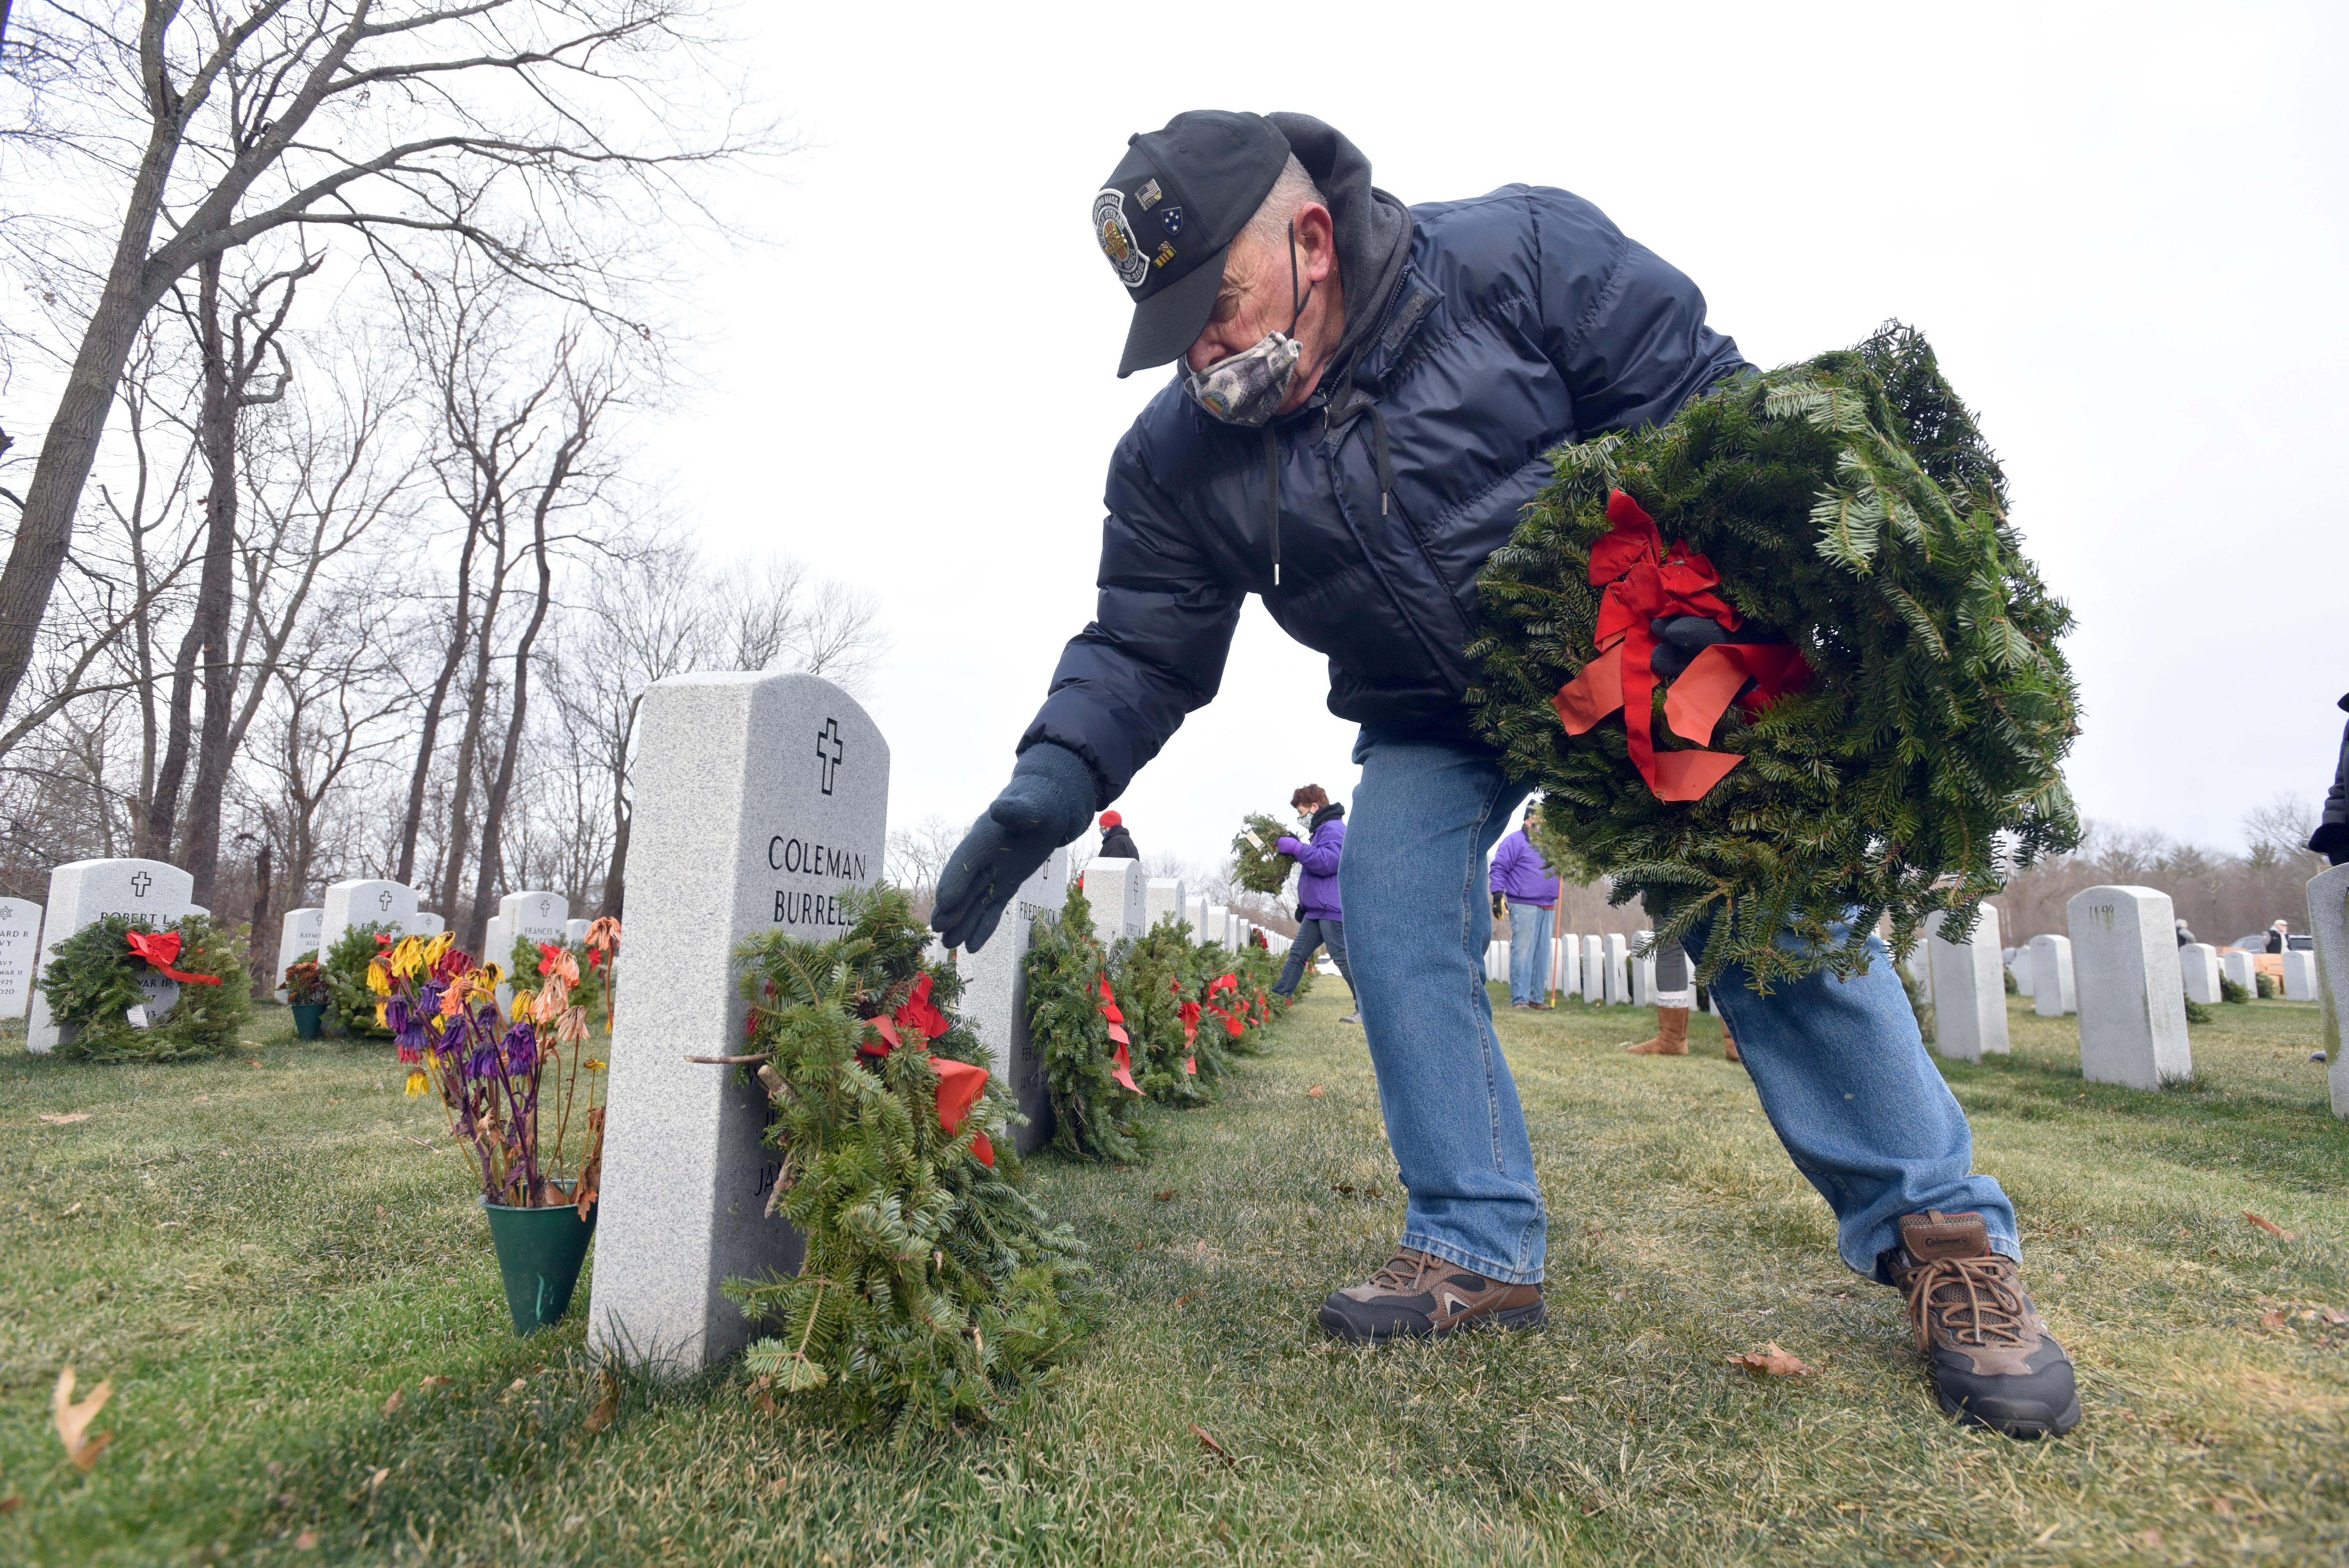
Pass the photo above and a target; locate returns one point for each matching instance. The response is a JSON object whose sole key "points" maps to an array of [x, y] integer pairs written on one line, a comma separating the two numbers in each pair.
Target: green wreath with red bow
{"points": [[94, 985], [1781, 664]]}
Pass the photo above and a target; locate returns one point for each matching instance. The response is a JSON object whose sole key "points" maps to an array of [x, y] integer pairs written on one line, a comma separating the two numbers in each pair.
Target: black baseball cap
{"points": [[1170, 212]]}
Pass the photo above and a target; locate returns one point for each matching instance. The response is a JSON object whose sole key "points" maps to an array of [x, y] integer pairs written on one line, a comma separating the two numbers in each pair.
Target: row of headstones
{"points": [[82, 893], [2120, 970], [1611, 970]]}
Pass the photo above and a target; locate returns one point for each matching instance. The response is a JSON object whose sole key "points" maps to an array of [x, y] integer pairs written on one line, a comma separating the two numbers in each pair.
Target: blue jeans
{"points": [[1840, 1069], [1311, 934], [1530, 960]]}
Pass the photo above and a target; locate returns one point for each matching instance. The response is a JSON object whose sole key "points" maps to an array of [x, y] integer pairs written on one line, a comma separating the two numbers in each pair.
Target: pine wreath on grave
{"points": [[933, 1289], [356, 1004], [1258, 867], [93, 984], [1163, 1012], [1088, 1062], [1885, 705]]}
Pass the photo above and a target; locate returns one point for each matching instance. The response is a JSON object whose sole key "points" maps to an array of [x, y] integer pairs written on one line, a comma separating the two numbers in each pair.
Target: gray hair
{"points": [[1289, 195]]}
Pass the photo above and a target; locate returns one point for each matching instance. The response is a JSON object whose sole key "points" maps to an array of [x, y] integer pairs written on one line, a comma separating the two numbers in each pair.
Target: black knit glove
{"points": [[1047, 804]]}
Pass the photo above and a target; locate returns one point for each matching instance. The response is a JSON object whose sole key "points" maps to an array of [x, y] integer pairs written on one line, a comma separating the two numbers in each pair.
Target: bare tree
{"points": [[259, 119]]}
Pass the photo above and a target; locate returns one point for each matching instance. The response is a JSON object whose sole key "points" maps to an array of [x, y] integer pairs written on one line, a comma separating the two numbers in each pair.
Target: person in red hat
{"points": [[1116, 842]]}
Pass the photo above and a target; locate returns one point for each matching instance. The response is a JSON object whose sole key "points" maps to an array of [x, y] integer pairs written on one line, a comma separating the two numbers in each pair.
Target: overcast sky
{"points": [[2121, 226]]}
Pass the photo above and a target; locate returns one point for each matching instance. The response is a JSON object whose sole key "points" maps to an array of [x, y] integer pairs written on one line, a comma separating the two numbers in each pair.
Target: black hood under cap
{"points": [[1373, 227]]}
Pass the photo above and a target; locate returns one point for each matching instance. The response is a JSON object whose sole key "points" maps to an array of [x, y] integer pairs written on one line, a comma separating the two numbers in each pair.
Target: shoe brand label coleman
{"points": [[821, 868]]}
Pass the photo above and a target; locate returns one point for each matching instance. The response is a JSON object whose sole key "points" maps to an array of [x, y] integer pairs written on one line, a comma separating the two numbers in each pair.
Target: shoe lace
{"points": [[1401, 1272], [1975, 1300]]}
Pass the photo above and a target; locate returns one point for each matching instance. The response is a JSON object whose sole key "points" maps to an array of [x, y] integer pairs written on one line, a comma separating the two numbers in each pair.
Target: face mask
{"points": [[1246, 388]]}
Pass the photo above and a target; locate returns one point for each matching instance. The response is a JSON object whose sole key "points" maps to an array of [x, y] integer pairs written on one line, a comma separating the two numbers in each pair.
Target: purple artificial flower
{"points": [[521, 1050], [484, 1062]]}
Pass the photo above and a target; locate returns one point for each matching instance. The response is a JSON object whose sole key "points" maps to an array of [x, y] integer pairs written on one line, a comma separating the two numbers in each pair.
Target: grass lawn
{"points": [[260, 1255]]}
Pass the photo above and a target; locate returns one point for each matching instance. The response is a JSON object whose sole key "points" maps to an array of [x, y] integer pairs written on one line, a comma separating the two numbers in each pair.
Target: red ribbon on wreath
{"points": [[1235, 1025], [1644, 583], [162, 950], [959, 1083], [1189, 1012], [1123, 1071]]}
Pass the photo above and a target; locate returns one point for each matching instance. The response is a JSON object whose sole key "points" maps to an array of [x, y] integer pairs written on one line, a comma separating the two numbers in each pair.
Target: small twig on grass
{"points": [[728, 1061]]}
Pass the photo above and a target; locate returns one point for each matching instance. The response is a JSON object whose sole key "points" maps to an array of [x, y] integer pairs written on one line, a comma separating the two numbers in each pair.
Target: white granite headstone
{"points": [[1969, 997], [20, 954], [2197, 963], [574, 932], [83, 892], [995, 997], [1619, 969], [2299, 974], [2328, 922], [1496, 961], [1217, 929], [297, 935], [2055, 991], [427, 924], [2132, 997], [760, 799], [2243, 969], [360, 902], [2022, 968], [1114, 886], [1163, 896], [1643, 971], [1594, 969], [1195, 915], [1569, 964]]}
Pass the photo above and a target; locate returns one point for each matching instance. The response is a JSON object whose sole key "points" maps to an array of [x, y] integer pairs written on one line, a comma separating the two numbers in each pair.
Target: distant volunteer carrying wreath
{"points": [[1366, 403]]}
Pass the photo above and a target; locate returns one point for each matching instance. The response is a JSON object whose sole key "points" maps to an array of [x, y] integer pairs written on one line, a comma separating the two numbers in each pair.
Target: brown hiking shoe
{"points": [[1729, 1045], [1994, 1362], [1421, 1296], [1671, 1034]]}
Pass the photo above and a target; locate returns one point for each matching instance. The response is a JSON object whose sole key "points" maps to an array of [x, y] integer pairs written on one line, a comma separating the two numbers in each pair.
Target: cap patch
{"points": [[1148, 195], [1172, 219], [1165, 254], [1117, 241]]}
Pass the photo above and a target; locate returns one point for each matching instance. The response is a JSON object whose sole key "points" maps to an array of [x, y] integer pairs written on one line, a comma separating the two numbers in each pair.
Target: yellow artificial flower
{"points": [[438, 948], [381, 1022], [416, 1083], [378, 977], [593, 1065], [406, 957]]}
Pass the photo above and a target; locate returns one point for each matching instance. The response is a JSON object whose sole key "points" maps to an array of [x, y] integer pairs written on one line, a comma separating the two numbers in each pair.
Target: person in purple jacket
{"points": [[1520, 878], [1320, 918]]}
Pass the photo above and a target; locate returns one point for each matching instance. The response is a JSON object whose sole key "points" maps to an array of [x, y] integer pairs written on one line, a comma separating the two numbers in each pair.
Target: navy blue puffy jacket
{"points": [[1524, 320]]}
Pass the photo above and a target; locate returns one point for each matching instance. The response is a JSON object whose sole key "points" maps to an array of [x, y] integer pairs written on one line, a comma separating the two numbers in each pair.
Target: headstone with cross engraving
{"points": [[2132, 996], [995, 997], [1162, 897], [363, 902], [533, 917], [427, 924], [1113, 886], [20, 954], [574, 932], [297, 935], [761, 798], [82, 893]]}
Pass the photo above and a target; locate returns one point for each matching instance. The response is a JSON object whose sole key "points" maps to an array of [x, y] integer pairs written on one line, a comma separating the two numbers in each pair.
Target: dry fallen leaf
{"points": [[73, 1419], [391, 1405], [2151, 1538], [308, 1539], [67, 1120], [1186, 1300], [607, 1407], [1316, 1093], [2222, 1508], [11, 1503], [516, 1385], [438, 1380], [1166, 1197], [2273, 1319], [379, 1213], [2269, 1226], [2335, 1316], [1776, 1363], [379, 1477], [1214, 1446]]}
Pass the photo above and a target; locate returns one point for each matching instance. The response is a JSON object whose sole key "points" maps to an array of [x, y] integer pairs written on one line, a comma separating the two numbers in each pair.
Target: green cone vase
{"points": [[306, 1015], [540, 1252]]}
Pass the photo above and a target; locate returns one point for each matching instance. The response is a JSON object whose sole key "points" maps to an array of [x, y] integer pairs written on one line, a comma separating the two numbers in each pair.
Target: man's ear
{"points": [[1317, 238]]}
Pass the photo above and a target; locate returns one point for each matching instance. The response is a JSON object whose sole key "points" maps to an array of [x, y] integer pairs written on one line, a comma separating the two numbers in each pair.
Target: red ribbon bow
{"points": [[959, 1083], [1644, 582], [162, 950], [1123, 1071], [1235, 1025]]}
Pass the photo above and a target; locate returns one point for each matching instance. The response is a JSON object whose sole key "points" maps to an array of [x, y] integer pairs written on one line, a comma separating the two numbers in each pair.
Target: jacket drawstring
{"points": [[1272, 498]]}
